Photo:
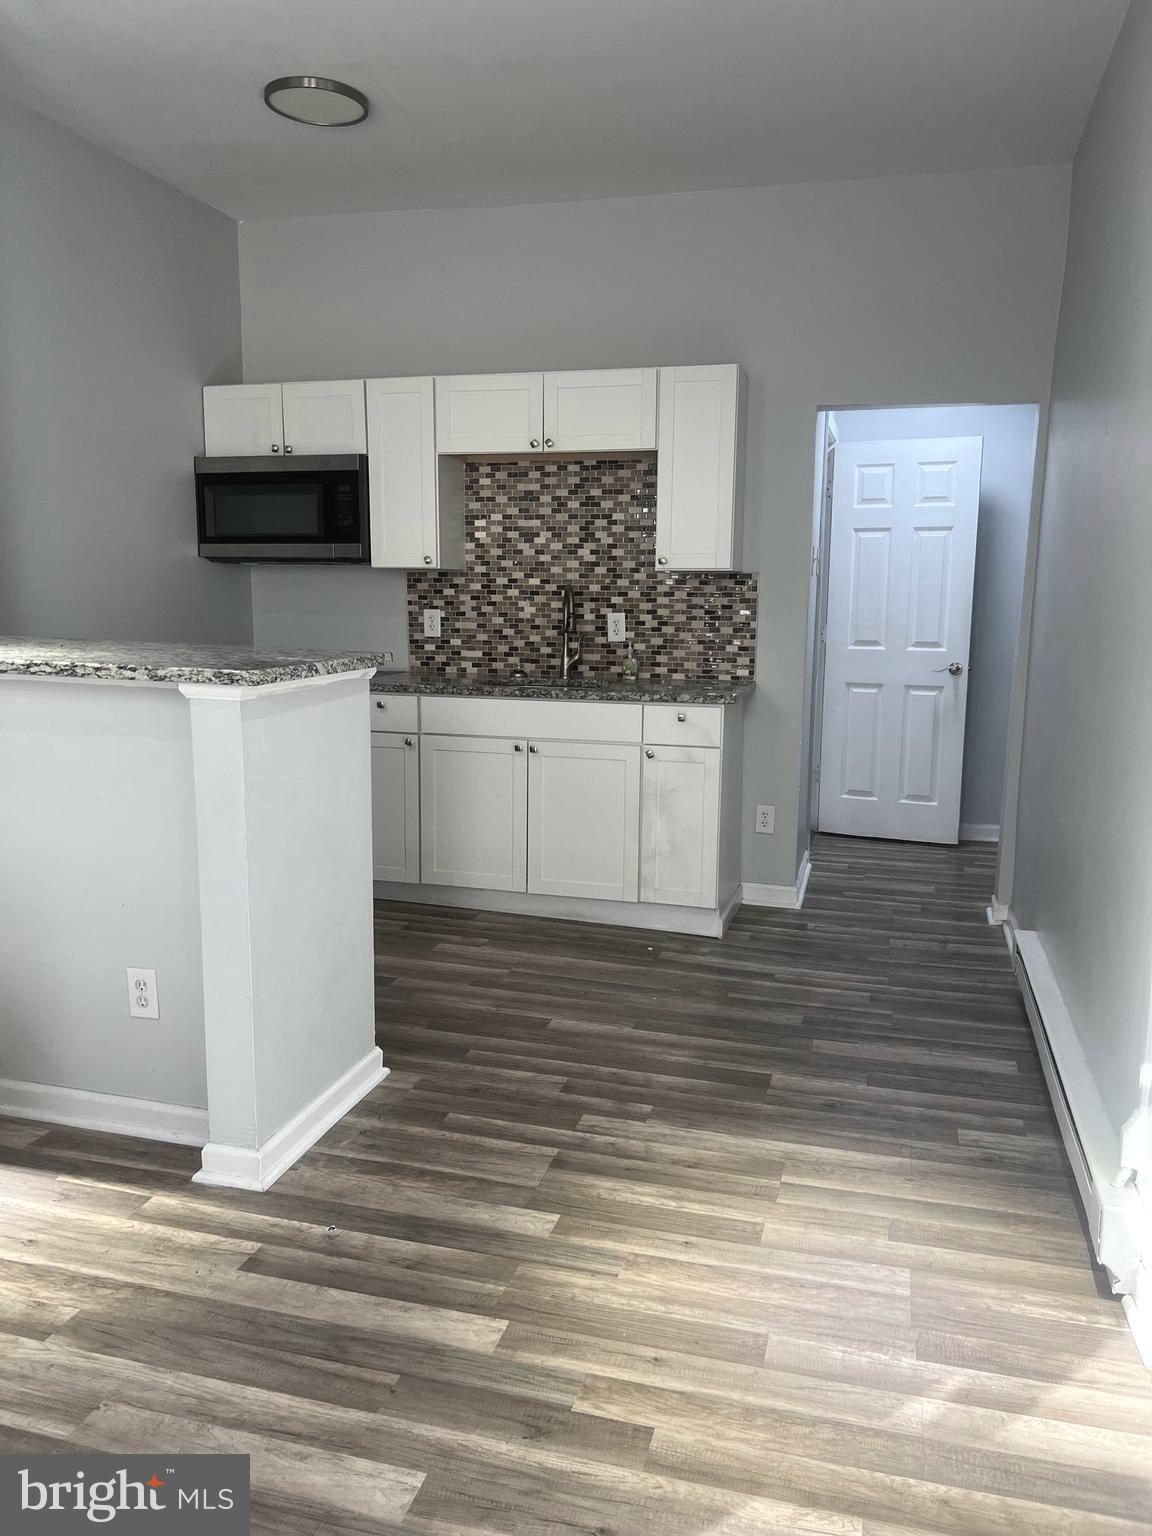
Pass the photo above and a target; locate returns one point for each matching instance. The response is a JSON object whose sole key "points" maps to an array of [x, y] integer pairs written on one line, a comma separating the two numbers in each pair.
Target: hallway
{"points": [[643, 1235]]}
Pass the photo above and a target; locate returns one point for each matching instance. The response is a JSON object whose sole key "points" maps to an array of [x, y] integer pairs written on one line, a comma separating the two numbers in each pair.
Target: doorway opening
{"points": [[920, 536]]}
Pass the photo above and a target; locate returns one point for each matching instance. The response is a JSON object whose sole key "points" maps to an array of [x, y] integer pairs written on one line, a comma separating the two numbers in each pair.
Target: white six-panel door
{"points": [[583, 819], [903, 549]]}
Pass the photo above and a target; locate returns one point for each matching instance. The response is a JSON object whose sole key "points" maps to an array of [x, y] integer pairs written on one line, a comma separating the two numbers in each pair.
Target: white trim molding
{"points": [[1118, 1214], [111, 1112], [698, 922], [787, 896], [259, 1167], [979, 832]]}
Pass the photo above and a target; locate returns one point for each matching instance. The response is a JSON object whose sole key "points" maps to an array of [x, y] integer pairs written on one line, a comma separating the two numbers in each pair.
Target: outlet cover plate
{"points": [[766, 819], [432, 623], [143, 1001], [617, 626]]}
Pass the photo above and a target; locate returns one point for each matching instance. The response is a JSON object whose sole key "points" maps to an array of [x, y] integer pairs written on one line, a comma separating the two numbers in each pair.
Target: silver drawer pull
{"points": [[681, 717]]}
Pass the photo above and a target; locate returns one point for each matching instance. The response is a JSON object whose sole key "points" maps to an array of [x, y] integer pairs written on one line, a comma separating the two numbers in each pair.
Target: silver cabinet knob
{"points": [[287, 447], [408, 741], [954, 668], [275, 447], [379, 703], [427, 559], [681, 717], [661, 559], [519, 747], [534, 442], [548, 443], [649, 753], [533, 748]]}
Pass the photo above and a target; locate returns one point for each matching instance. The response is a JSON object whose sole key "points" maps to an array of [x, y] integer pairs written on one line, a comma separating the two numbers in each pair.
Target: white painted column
{"points": [[284, 847]]}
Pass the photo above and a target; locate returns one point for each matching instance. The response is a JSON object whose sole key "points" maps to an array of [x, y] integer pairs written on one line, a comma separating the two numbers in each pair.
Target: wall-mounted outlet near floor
{"points": [[617, 626], [432, 623], [765, 818], [143, 1002]]}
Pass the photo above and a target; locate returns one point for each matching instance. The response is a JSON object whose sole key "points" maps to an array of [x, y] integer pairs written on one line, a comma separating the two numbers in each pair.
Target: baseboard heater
{"points": [[1111, 1205]]}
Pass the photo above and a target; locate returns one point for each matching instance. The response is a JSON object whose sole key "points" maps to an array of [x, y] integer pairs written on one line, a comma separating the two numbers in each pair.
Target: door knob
{"points": [[954, 668]]}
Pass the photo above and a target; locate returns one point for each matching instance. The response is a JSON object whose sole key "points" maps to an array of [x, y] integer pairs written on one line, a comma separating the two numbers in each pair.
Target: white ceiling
{"points": [[487, 102]]}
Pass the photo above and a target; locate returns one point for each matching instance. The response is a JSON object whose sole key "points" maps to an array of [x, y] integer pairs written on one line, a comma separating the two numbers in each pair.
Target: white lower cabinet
{"points": [[583, 819], [474, 812], [395, 807], [680, 825]]}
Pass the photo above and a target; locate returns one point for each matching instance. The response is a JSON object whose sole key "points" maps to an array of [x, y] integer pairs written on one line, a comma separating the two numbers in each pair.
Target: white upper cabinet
{"points": [[243, 419], [417, 501], [490, 413], [699, 476], [596, 411], [326, 417]]}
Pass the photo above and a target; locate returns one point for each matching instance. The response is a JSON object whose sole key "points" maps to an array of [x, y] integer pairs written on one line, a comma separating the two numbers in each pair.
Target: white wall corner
{"points": [[108, 1112], [786, 896], [235, 1167]]}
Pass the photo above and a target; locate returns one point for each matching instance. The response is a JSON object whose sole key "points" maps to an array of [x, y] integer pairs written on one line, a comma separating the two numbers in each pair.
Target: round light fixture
{"points": [[318, 102]]}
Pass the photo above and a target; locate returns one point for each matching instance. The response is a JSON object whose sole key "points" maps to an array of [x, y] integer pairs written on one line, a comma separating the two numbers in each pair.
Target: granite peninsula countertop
{"points": [[159, 661], [604, 690]]}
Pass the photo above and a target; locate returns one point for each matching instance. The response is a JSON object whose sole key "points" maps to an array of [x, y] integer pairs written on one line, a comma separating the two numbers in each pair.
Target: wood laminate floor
{"points": [[644, 1236]]}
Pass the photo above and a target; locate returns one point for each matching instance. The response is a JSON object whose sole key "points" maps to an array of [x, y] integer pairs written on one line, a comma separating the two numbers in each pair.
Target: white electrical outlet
{"points": [[617, 626], [143, 1001], [765, 818], [432, 623]]}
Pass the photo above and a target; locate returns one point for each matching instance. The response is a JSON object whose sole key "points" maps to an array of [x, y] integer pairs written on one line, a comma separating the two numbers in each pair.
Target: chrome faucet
{"points": [[570, 640]]}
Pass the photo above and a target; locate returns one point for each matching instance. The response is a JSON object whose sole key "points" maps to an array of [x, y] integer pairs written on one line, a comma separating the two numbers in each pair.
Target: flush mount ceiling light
{"points": [[318, 102]]}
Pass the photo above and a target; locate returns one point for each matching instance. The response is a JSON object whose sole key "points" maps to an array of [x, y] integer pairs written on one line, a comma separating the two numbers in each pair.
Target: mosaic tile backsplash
{"points": [[534, 527]]}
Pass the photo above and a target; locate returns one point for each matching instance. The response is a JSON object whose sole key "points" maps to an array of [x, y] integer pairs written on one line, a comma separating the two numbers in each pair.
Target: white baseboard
{"points": [[1119, 1221], [91, 1111], [979, 832], [260, 1167], [700, 922], [789, 896]]}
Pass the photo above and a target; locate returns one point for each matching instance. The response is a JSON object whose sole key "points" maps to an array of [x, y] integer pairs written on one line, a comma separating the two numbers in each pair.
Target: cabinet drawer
{"points": [[393, 711], [683, 725], [549, 719]]}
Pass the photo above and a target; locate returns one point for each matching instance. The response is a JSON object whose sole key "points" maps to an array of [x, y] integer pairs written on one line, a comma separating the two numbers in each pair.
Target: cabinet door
{"points": [[600, 411], [243, 419], [583, 819], [490, 413], [402, 472], [395, 807], [697, 474], [680, 825], [473, 812], [327, 417]]}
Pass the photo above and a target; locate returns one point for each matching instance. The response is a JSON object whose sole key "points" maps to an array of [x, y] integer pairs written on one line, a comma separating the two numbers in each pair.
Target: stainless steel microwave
{"points": [[315, 508]]}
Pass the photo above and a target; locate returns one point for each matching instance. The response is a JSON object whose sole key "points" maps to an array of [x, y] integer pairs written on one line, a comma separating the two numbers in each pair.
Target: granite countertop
{"points": [[158, 661], [614, 690]]}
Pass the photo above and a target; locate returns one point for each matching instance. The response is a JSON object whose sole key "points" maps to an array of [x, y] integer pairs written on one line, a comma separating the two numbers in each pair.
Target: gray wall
{"points": [[893, 292], [119, 298], [1084, 832], [1009, 433], [331, 609]]}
